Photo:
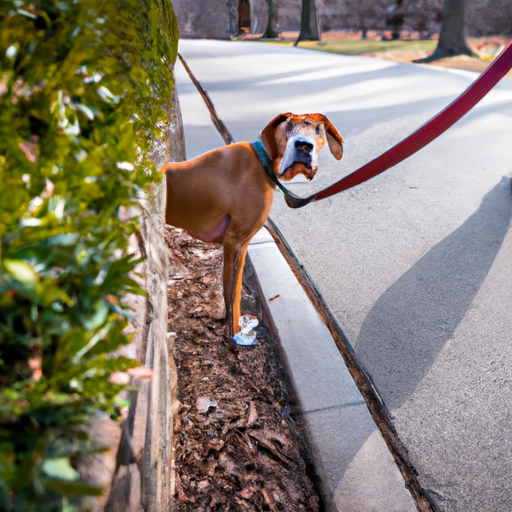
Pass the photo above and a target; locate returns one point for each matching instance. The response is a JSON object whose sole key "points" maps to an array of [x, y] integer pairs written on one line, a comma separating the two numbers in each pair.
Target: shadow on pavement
{"points": [[411, 322]]}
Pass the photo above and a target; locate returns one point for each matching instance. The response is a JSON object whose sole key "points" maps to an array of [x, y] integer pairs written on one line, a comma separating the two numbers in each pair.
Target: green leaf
{"points": [[98, 317], [59, 468], [82, 83], [21, 271]]}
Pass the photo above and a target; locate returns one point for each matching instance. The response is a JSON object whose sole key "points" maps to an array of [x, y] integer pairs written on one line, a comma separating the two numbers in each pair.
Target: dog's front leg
{"points": [[234, 260]]}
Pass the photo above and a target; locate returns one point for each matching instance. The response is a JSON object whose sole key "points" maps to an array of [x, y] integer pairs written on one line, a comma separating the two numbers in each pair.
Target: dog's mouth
{"points": [[300, 156], [298, 169]]}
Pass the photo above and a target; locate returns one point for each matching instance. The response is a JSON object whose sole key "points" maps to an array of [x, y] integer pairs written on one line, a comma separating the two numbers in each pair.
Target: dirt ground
{"points": [[238, 447], [485, 48]]}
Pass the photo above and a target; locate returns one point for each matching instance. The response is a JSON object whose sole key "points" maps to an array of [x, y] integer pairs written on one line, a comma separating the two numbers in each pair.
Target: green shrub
{"points": [[81, 88]]}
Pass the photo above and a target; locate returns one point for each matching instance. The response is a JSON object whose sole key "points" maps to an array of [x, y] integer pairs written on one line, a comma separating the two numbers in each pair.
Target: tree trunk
{"points": [[395, 19], [309, 30], [451, 39], [233, 18], [271, 30]]}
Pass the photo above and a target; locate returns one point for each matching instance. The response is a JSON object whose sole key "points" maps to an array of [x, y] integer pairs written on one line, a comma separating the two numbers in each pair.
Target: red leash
{"points": [[423, 135]]}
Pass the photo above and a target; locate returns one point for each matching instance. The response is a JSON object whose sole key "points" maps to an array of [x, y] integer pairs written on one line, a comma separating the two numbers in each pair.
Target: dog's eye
{"points": [[307, 122]]}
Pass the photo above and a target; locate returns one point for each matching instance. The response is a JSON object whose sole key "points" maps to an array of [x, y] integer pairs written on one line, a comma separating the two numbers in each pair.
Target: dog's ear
{"points": [[268, 134], [334, 139]]}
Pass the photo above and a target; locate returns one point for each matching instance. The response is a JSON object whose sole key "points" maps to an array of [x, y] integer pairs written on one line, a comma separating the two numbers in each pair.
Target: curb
{"points": [[356, 469]]}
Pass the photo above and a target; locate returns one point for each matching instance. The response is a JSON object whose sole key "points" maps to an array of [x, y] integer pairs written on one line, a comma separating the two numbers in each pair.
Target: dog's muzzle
{"points": [[300, 149]]}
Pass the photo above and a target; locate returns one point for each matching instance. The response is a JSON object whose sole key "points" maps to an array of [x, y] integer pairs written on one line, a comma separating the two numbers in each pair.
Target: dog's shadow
{"points": [[411, 322]]}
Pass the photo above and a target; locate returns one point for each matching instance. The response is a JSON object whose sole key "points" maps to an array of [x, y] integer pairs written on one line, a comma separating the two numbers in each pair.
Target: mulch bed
{"points": [[237, 446]]}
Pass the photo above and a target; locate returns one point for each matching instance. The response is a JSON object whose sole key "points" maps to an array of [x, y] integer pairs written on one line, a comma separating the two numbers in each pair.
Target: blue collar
{"points": [[264, 158], [267, 165]]}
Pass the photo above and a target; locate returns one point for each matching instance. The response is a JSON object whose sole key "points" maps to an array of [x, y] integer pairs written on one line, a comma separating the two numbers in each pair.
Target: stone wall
{"points": [[208, 18], [137, 471], [148, 429]]}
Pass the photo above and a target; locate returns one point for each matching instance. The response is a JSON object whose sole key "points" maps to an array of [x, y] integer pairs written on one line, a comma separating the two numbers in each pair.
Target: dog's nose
{"points": [[300, 149], [301, 145]]}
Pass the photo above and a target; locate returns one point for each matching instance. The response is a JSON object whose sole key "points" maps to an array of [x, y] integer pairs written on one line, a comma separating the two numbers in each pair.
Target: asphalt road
{"points": [[416, 263]]}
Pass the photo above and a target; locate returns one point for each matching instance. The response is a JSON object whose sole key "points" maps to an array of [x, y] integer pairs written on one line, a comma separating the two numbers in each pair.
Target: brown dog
{"points": [[224, 196]]}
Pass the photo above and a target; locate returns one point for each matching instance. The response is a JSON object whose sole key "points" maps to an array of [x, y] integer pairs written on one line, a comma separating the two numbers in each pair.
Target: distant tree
{"points": [[395, 19], [365, 15], [271, 31], [309, 29], [489, 18], [425, 16], [451, 38]]}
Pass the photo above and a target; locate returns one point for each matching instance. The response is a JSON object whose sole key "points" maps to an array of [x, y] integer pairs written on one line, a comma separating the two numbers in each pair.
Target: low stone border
{"points": [[137, 472]]}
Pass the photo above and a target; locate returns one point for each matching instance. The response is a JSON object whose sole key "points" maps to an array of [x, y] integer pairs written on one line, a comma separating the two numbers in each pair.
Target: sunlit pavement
{"points": [[415, 264]]}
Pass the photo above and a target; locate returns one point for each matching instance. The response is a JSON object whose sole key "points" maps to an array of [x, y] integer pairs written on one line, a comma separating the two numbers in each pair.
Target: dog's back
{"points": [[225, 181]]}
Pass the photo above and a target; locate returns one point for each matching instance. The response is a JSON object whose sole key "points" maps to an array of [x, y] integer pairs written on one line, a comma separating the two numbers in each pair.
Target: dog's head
{"points": [[293, 142]]}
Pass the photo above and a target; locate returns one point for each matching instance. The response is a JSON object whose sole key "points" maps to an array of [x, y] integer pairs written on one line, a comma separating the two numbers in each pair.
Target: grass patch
{"points": [[360, 47]]}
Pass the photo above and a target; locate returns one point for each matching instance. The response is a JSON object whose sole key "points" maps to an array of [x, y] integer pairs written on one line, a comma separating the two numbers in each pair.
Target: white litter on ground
{"points": [[247, 336]]}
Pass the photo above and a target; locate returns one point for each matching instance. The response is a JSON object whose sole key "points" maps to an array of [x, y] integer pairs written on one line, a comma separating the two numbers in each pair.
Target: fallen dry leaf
{"points": [[233, 436], [253, 415], [248, 492], [226, 462], [203, 486], [268, 499]]}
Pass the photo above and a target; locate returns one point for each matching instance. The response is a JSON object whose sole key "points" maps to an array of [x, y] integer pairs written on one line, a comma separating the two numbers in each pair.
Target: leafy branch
{"points": [[81, 88]]}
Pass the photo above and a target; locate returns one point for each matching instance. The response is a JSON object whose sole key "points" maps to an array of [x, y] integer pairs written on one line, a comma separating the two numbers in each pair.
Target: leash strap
{"points": [[423, 135], [221, 127], [267, 165]]}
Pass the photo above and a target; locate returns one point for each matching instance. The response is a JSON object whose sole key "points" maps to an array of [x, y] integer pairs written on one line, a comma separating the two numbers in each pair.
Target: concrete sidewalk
{"points": [[357, 471]]}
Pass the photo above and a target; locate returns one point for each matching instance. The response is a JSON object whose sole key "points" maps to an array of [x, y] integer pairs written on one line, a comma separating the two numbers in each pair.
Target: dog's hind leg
{"points": [[234, 260]]}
